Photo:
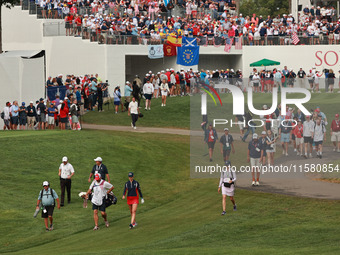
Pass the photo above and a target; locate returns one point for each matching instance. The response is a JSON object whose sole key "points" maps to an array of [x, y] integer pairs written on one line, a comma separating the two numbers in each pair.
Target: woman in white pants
{"points": [[164, 91], [227, 180]]}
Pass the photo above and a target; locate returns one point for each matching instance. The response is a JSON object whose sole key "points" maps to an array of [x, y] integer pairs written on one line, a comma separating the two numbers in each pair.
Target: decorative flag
{"points": [[188, 41], [188, 55], [295, 39], [175, 41], [155, 51], [169, 50], [238, 43], [217, 41], [228, 43], [166, 2]]}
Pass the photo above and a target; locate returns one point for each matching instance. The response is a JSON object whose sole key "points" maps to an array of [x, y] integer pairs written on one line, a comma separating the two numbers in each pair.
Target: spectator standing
{"points": [[6, 113], [301, 78], [285, 135], [51, 111], [308, 131], [148, 91], [74, 114], [164, 91], [116, 99], [31, 115], [254, 156], [335, 133], [14, 113], [66, 171], [63, 113], [22, 116], [298, 132], [319, 135], [42, 109]]}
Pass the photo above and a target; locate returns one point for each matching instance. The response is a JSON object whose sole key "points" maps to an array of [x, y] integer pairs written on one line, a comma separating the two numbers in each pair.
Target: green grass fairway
{"points": [[180, 215], [180, 111], [176, 114]]}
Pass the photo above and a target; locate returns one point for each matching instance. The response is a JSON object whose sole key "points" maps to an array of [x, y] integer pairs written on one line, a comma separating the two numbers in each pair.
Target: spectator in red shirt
{"points": [[63, 114], [298, 132], [335, 133]]}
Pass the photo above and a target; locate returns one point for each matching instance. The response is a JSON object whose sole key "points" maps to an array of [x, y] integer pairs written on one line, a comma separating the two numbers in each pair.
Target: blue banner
{"points": [[188, 55], [189, 41], [57, 90]]}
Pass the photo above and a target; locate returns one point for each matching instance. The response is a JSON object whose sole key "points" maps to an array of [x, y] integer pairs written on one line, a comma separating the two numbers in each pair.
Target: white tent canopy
{"points": [[21, 77]]}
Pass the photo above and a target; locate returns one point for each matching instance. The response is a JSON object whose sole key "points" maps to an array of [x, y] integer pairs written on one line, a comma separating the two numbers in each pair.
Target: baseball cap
{"points": [[227, 163], [263, 132], [98, 159], [255, 136], [64, 159], [226, 129], [31, 102], [41, 99], [130, 174], [337, 115], [65, 98], [45, 183], [23, 103], [97, 176], [265, 107]]}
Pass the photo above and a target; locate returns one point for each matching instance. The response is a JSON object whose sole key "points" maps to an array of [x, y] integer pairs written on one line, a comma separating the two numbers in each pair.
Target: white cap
{"points": [[64, 159], [167, 70], [255, 136], [265, 107], [263, 132], [127, 82], [98, 159], [45, 183], [31, 102]]}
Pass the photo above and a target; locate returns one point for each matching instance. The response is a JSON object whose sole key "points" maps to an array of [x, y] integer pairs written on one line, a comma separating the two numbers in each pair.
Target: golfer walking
{"points": [[227, 183], [66, 171], [47, 197], [100, 168], [133, 111], [132, 188], [99, 189], [254, 155]]}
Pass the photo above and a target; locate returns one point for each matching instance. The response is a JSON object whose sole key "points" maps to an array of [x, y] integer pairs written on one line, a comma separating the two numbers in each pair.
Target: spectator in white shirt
{"points": [[133, 112], [148, 91]]}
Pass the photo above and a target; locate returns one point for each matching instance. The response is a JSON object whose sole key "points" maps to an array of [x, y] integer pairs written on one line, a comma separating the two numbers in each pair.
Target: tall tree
{"points": [[264, 7], [8, 4]]}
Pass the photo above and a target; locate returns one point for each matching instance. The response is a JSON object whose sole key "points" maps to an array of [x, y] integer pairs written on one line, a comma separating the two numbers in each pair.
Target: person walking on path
{"points": [[133, 111], [100, 168], [210, 137]]}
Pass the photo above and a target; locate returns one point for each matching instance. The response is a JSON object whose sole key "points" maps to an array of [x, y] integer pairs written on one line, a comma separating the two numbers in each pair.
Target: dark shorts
{"points": [[64, 120], [148, 96], [318, 143], [170, 85], [100, 208], [256, 84], [293, 137], [226, 153], [268, 125], [23, 121], [15, 120], [211, 145], [116, 102], [308, 139], [49, 211]]}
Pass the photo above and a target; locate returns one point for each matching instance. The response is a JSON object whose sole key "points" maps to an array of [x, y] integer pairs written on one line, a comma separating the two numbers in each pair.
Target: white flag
{"points": [[155, 51]]}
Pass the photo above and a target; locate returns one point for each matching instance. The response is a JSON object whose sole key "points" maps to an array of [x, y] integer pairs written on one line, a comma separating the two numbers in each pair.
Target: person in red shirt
{"points": [[68, 24], [335, 133], [78, 22], [63, 114], [298, 132]]}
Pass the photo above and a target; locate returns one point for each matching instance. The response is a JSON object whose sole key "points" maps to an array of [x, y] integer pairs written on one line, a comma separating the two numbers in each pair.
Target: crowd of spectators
{"points": [[145, 22]]}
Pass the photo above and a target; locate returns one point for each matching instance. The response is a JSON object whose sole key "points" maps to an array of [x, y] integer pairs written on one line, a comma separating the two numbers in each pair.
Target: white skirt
{"points": [[164, 93], [228, 191]]}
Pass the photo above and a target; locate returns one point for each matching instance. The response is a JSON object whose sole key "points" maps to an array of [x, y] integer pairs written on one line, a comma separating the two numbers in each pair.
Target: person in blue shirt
{"points": [[14, 113], [116, 99], [46, 199], [50, 112], [78, 95], [127, 94]]}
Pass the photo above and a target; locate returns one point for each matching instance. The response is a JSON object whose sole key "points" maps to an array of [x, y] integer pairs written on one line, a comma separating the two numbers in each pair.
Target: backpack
{"points": [[41, 194], [2, 115]]}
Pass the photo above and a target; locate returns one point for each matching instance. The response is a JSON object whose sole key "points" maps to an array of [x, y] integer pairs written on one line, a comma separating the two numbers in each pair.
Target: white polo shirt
{"points": [[66, 170], [133, 107]]}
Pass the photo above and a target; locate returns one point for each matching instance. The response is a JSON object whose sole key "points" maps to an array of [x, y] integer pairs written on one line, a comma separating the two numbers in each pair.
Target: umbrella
{"points": [[265, 62]]}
